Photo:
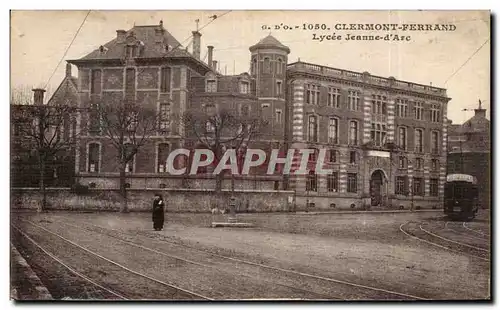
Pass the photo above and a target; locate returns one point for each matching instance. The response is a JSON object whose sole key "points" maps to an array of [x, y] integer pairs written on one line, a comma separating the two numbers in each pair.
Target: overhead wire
{"points": [[67, 49]]}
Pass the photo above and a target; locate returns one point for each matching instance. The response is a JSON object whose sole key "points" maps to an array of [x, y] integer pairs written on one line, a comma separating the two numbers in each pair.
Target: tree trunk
{"points": [[232, 209], [123, 189], [43, 204]]}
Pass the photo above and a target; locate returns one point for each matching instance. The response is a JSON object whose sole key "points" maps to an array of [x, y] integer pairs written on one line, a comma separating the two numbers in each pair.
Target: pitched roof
{"points": [[270, 42], [145, 34]]}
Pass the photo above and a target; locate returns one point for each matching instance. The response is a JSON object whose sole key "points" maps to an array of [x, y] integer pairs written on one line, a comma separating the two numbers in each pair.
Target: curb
{"points": [[366, 211], [34, 281], [229, 224]]}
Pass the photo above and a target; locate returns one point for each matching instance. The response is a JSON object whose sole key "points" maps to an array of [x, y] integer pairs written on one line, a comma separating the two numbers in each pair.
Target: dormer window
{"points": [[103, 50], [131, 51], [244, 87]]}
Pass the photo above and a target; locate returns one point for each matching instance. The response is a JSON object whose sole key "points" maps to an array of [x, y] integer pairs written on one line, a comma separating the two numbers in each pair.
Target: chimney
{"points": [[196, 44], [480, 111], [214, 65], [68, 70], [120, 36], [210, 55], [38, 96]]}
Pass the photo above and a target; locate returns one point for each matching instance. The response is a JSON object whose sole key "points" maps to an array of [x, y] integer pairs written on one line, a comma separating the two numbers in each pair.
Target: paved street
{"points": [[361, 256]]}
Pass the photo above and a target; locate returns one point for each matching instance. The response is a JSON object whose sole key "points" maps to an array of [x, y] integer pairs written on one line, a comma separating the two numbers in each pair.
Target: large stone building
{"points": [[386, 138], [469, 151]]}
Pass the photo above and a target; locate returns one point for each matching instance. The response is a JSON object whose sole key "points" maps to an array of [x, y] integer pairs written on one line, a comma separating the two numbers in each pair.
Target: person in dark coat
{"points": [[158, 212]]}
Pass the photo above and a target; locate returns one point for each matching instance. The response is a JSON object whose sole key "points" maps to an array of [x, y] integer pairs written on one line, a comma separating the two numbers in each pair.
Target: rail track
{"points": [[115, 275], [351, 291], [417, 231]]}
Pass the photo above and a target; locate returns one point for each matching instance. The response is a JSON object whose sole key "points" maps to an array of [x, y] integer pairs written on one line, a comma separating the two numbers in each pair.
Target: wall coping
{"points": [[159, 190]]}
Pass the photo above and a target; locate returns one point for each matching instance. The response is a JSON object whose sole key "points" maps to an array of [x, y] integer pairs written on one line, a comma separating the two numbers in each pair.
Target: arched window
{"points": [[313, 128], [162, 154], [279, 66], [93, 157], [267, 65], [254, 66]]}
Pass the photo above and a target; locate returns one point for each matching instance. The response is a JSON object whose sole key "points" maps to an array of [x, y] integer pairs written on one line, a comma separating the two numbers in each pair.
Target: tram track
{"points": [[416, 231], [103, 293], [113, 276], [351, 290]]}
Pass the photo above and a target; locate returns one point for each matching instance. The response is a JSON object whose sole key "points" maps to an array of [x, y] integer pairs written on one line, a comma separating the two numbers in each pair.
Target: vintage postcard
{"points": [[250, 155]]}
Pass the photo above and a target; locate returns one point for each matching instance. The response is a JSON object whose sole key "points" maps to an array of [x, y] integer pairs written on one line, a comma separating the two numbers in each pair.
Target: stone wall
{"points": [[177, 200]]}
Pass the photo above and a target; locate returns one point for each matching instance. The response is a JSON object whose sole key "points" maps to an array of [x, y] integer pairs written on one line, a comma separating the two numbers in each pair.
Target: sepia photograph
{"points": [[250, 155]]}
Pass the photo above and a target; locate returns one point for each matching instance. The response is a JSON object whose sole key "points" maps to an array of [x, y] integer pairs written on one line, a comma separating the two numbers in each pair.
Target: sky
{"points": [[447, 59]]}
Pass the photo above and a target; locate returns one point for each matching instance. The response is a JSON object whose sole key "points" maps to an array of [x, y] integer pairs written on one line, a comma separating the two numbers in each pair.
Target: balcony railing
{"points": [[365, 77]]}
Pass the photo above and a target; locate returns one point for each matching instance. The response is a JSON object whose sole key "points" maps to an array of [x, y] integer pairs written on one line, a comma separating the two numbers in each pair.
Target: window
{"points": [[402, 141], [132, 120], [164, 117], [95, 86], [267, 65], [332, 182], [379, 105], [353, 157], [401, 185], [352, 183], [94, 154], [353, 133], [279, 90], [312, 182], [279, 118], [131, 51], [129, 149], [435, 113], [211, 86], [254, 66], [313, 128], [333, 156], [435, 164], [419, 133], [130, 84], [353, 99], [433, 187], [401, 108], [245, 111], [165, 80], [418, 111], [209, 127], [419, 163], [403, 162], [313, 156], [94, 119], [418, 188], [163, 150], [312, 94], [333, 97], [244, 87], [434, 142], [333, 131], [378, 134], [279, 66]]}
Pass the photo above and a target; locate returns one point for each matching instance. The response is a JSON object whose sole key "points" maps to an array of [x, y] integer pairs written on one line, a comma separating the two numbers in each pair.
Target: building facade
{"points": [[469, 152], [385, 138]]}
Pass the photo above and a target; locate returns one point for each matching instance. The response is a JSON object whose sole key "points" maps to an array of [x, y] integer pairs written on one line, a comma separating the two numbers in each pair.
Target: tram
{"points": [[461, 196]]}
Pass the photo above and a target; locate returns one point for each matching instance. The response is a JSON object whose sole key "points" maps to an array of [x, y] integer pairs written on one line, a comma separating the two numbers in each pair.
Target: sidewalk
{"points": [[25, 284]]}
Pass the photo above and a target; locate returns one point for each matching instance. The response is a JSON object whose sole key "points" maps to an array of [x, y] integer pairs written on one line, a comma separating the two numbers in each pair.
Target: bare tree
{"points": [[220, 129], [44, 129], [127, 126]]}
